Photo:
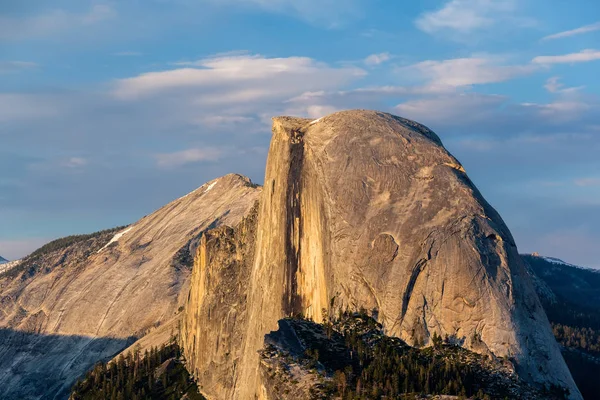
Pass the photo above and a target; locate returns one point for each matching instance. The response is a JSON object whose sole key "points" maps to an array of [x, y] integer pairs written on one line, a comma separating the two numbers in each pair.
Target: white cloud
{"points": [[51, 23], [554, 86], [74, 162], [464, 16], [239, 79], [15, 106], [223, 121], [492, 112], [458, 109], [467, 71], [573, 32], [377, 59], [561, 110], [582, 56], [318, 111], [189, 156], [318, 103], [15, 66], [584, 182]]}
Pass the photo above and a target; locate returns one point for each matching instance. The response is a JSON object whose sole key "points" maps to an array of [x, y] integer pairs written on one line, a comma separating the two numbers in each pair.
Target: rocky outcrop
{"points": [[75, 305], [362, 209], [306, 360], [215, 322]]}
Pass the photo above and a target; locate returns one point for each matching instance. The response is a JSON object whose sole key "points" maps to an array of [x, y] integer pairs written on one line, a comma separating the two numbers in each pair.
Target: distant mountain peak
{"points": [[3, 260], [558, 261]]}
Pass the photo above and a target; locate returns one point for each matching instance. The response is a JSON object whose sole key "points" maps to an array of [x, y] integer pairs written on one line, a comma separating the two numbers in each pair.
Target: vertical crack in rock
{"points": [[411, 285], [317, 223], [292, 302]]}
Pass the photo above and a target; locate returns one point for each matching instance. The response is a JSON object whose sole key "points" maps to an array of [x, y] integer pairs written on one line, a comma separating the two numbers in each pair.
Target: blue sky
{"points": [[110, 109]]}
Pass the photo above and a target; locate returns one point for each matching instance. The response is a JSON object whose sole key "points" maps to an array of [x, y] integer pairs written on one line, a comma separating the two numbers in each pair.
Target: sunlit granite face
{"points": [[362, 209]]}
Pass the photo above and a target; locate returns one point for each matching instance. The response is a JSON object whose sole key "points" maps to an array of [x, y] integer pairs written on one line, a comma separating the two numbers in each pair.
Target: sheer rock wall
{"points": [[362, 209]]}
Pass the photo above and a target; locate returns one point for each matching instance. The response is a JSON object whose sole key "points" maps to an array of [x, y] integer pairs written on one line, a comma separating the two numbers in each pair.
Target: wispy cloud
{"points": [[74, 162], [587, 182], [189, 156], [53, 22], [26, 107], [490, 112], [223, 121], [561, 110], [468, 71], [377, 59], [554, 86], [239, 79], [452, 110], [582, 56], [15, 66], [573, 32], [465, 16]]}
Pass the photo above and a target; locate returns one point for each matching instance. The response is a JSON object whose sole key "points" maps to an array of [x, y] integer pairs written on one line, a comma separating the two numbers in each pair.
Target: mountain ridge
{"points": [[361, 210], [571, 297], [104, 290]]}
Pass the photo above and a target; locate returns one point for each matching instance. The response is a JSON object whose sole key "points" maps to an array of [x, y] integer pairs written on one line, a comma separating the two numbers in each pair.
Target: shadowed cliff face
{"points": [[371, 209], [214, 325], [37, 366], [115, 285]]}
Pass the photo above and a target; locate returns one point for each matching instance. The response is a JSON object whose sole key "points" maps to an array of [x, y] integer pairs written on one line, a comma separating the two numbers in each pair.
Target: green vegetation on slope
{"points": [[575, 318], [358, 361], [578, 332], [158, 374], [62, 243], [43, 258]]}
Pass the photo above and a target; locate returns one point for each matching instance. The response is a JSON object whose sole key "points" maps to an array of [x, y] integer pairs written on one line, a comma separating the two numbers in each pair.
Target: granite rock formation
{"points": [[213, 329], [85, 302], [362, 209]]}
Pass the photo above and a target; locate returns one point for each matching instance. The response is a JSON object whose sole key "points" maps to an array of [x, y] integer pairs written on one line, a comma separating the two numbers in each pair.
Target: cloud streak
{"points": [[16, 66], [377, 59], [468, 71], [189, 156], [238, 79], [572, 58], [574, 32], [585, 182], [553, 85], [465, 16]]}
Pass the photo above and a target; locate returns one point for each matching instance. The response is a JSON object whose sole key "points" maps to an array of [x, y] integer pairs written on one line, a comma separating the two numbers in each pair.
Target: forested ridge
{"points": [[358, 361], [54, 253], [574, 313], [355, 360], [158, 374]]}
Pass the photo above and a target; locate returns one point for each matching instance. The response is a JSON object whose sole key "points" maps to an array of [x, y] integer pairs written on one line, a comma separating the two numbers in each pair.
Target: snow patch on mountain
{"points": [[558, 261], [212, 185], [116, 238], [8, 265]]}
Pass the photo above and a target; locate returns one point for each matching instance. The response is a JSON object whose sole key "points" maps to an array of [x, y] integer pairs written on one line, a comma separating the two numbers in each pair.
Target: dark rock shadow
{"points": [[38, 366]]}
